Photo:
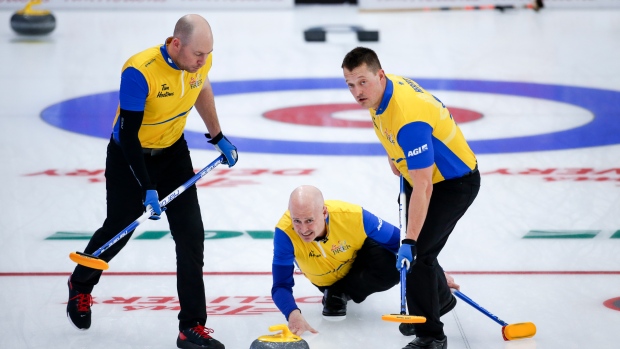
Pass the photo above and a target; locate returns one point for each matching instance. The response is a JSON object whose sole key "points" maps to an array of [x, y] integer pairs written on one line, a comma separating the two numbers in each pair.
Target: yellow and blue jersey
{"points": [[151, 82], [417, 131], [326, 261]]}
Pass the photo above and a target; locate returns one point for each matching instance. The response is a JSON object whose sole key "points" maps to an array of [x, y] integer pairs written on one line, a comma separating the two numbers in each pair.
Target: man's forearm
{"points": [[419, 201], [205, 105], [418, 207]]}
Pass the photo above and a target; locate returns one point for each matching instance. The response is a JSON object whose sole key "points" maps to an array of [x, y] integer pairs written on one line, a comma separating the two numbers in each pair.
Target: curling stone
{"points": [[315, 34], [283, 340], [33, 22]]}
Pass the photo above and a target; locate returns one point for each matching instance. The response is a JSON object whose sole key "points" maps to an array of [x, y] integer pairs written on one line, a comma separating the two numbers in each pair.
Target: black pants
{"points": [[427, 287], [373, 271], [168, 171]]}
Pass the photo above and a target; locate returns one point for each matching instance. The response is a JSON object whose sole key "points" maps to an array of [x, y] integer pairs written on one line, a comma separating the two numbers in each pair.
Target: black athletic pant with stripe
{"points": [[168, 171], [427, 287], [374, 270]]}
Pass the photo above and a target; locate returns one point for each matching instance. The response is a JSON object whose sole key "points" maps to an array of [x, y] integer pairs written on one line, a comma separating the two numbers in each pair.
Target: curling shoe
{"points": [[78, 308], [428, 343], [334, 305], [409, 329], [198, 337]]}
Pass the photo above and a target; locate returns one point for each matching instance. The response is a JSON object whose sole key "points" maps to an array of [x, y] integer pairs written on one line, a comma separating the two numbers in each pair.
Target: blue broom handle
{"points": [[481, 309], [403, 232], [403, 291]]}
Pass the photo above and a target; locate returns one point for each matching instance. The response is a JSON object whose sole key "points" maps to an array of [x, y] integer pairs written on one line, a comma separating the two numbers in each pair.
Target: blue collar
{"points": [[324, 239], [387, 95], [164, 53]]}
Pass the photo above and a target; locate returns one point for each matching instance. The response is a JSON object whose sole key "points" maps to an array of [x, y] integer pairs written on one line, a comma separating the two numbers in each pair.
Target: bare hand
{"points": [[297, 324], [451, 282]]}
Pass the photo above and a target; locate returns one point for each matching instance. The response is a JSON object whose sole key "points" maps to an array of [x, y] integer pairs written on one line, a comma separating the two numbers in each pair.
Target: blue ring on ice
{"points": [[93, 115]]}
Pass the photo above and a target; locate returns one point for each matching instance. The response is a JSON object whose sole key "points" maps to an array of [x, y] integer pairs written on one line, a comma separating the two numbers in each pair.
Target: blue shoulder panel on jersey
{"points": [[384, 233], [134, 90], [283, 251], [449, 165], [416, 140]]}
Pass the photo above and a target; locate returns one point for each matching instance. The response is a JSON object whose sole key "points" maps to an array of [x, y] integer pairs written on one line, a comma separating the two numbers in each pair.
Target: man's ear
{"points": [[381, 74], [176, 43], [324, 212]]}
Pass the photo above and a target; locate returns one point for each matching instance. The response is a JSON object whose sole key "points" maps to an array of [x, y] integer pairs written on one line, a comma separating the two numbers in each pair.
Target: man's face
{"points": [[193, 55], [365, 86], [309, 221]]}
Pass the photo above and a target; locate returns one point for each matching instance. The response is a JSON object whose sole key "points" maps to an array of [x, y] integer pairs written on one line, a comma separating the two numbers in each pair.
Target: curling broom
{"points": [[403, 317], [509, 331], [93, 260]]}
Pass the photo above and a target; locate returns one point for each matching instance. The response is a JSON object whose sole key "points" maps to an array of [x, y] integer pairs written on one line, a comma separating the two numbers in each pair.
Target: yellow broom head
{"points": [[519, 331], [88, 260], [404, 319]]}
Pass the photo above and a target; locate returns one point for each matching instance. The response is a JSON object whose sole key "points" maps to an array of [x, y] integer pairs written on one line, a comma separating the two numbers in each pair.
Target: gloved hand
{"points": [[407, 251], [223, 145], [152, 199]]}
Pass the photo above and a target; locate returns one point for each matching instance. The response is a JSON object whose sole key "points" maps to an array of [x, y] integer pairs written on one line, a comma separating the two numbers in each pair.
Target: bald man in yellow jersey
{"points": [[344, 250], [148, 155], [427, 148]]}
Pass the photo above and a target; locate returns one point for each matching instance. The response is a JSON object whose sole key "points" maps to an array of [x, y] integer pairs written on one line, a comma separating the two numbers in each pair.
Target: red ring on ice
{"points": [[323, 115], [613, 303]]}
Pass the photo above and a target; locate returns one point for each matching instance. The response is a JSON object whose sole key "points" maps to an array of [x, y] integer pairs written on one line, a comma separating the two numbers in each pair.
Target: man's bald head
{"points": [[190, 27], [191, 43], [306, 195], [308, 212]]}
